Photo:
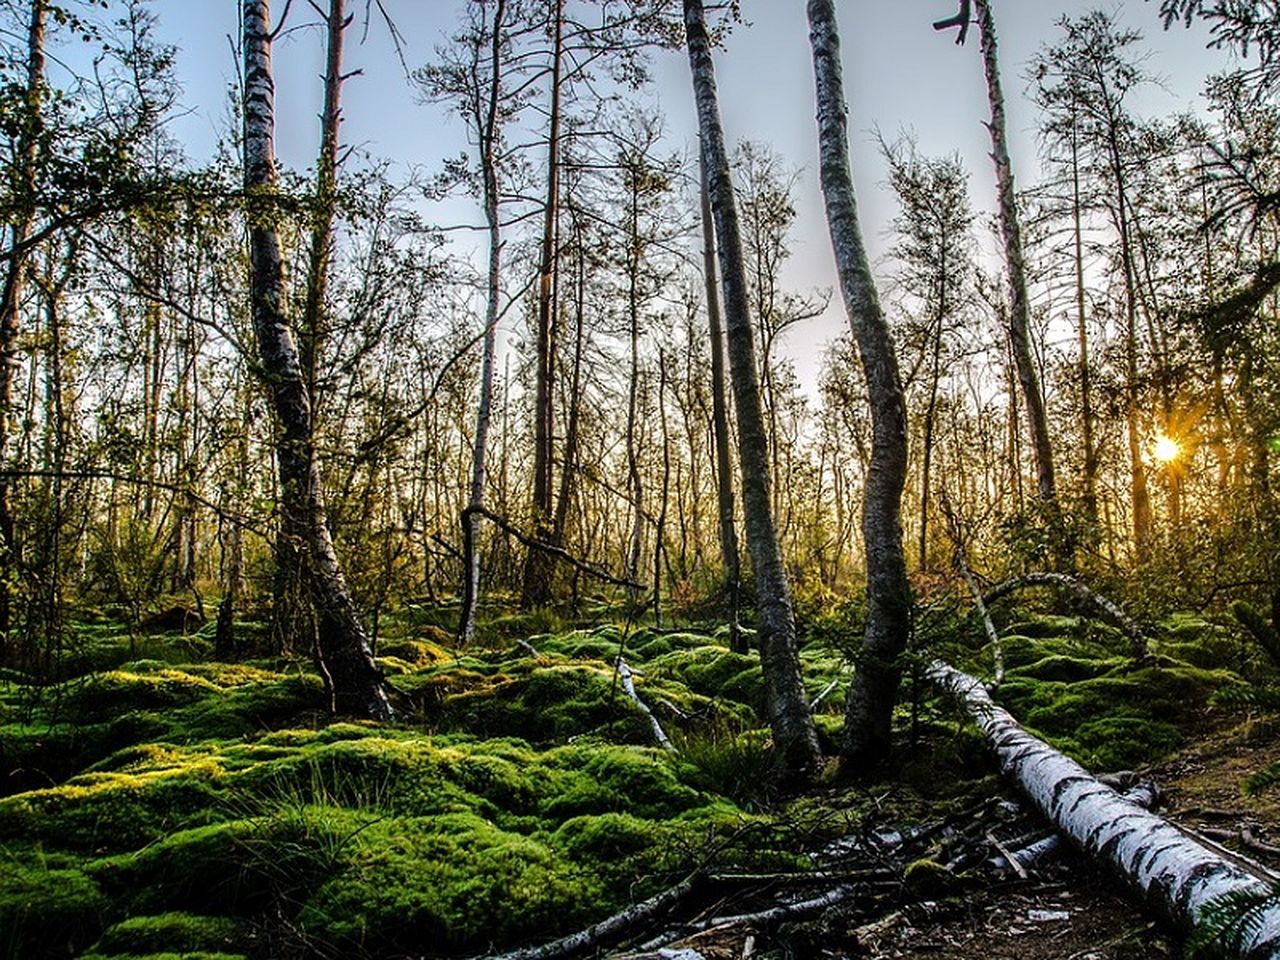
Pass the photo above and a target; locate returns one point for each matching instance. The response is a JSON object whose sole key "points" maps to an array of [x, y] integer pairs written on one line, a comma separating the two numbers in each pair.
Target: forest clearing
{"points": [[561, 524]]}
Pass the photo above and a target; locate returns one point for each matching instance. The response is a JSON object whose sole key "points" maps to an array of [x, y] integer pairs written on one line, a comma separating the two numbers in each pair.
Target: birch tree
{"points": [[795, 739], [870, 701], [354, 681]]}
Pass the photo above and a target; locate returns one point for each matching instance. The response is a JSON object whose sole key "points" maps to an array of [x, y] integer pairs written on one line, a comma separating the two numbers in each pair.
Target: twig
{"points": [[535, 544], [1108, 608], [629, 688]]}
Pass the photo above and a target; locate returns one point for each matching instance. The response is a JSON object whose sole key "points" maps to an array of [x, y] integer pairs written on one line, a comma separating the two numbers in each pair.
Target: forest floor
{"points": [[156, 804]]}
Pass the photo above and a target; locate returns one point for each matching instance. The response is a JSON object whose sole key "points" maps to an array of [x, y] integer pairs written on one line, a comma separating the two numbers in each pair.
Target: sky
{"points": [[899, 75]]}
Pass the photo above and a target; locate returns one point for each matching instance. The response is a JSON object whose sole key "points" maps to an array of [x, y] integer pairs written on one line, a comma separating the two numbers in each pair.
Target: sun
{"points": [[1166, 449]]}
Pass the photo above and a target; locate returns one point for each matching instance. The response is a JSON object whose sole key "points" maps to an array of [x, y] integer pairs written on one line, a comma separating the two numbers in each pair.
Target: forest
{"points": [[487, 558]]}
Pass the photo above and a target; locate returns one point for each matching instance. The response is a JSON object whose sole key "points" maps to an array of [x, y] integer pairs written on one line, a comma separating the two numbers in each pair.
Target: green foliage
{"points": [[1228, 923]]}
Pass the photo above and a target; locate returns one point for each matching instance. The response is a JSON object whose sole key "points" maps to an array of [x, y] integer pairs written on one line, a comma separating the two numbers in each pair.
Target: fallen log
{"points": [[1107, 608], [1182, 880]]}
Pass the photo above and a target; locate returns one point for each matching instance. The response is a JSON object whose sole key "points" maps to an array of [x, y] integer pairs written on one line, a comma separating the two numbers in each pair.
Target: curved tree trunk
{"points": [[1170, 872], [875, 683], [720, 421], [794, 736], [1011, 234], [343, 647]]}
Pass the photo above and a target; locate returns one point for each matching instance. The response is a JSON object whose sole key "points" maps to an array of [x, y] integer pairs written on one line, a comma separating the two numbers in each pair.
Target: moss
{"points": [[46, 912], [119, 691], [615, 779], [438, 884], [930, 879], [113, 810], [170, 932], [420, 653], [1067, 668], [715, 672]]}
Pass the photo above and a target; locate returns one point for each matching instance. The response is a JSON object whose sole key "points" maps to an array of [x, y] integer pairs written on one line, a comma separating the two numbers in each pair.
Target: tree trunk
{"points": [[1090, 478], [875, 683], [794, 737], [1170, 872], [539, 565], [11, 298], [720, 421], [487, 128], [1011, 234], [343, 648]]}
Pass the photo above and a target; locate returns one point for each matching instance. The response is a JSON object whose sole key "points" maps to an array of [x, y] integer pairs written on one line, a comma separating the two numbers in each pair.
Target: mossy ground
{"points": [[174, 807]]}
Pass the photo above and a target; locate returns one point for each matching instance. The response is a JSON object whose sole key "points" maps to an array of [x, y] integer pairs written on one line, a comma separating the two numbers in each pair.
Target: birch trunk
{"points": [[485, 114], [539, 566], [875, 682], [11, 296], [720, 421], [343, 648], [1011, 234], [794, 737], [1171, 873]]}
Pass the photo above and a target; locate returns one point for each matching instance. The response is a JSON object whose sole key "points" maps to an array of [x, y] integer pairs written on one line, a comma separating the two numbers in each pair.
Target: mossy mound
{"points": [[184, 933], [1101, 708], [46, 912]]}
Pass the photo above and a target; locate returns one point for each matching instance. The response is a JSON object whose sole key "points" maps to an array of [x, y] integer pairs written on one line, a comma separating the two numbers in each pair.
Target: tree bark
{"points": [[1108, 608], [875, 682], [1171, 873], [11, 296], [343, 648], [1011, 234], [720, 420], [538, 566], [485, 116], [794, 737]]}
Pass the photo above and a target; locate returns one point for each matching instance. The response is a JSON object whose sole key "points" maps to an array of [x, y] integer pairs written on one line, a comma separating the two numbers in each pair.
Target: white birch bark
{"points": [[1171, 873], [875, 683], [794, 736], [343, 647]]}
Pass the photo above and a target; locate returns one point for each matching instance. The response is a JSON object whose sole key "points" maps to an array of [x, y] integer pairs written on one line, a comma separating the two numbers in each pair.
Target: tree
{"points": [[719, 414], [473, 79], [868, 715], [1089, 74], [1015, 263], [794, 737], [27, 148], [934, 250], [354, 680]]}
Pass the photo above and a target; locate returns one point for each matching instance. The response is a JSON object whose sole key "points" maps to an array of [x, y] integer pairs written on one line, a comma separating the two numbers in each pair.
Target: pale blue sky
{"points": [[900, 74]]}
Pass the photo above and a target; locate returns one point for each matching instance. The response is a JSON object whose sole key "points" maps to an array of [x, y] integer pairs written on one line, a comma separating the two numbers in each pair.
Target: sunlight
{"points": [[1166, 449]]}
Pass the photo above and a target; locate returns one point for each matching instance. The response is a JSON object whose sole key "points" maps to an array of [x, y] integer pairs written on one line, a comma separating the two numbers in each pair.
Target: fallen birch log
{"points": [[1176, 876]]}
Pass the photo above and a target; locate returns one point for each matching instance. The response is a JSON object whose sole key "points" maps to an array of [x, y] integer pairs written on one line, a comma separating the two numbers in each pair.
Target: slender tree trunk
{"points": [[661, 531], [930, 415], [1011, 234], [343, 647], [1090, 477], [486, 122], [569, 469], [539, 565], [875, 683], [720, 421], [794, 737], [634, 481], [11, 298]]}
